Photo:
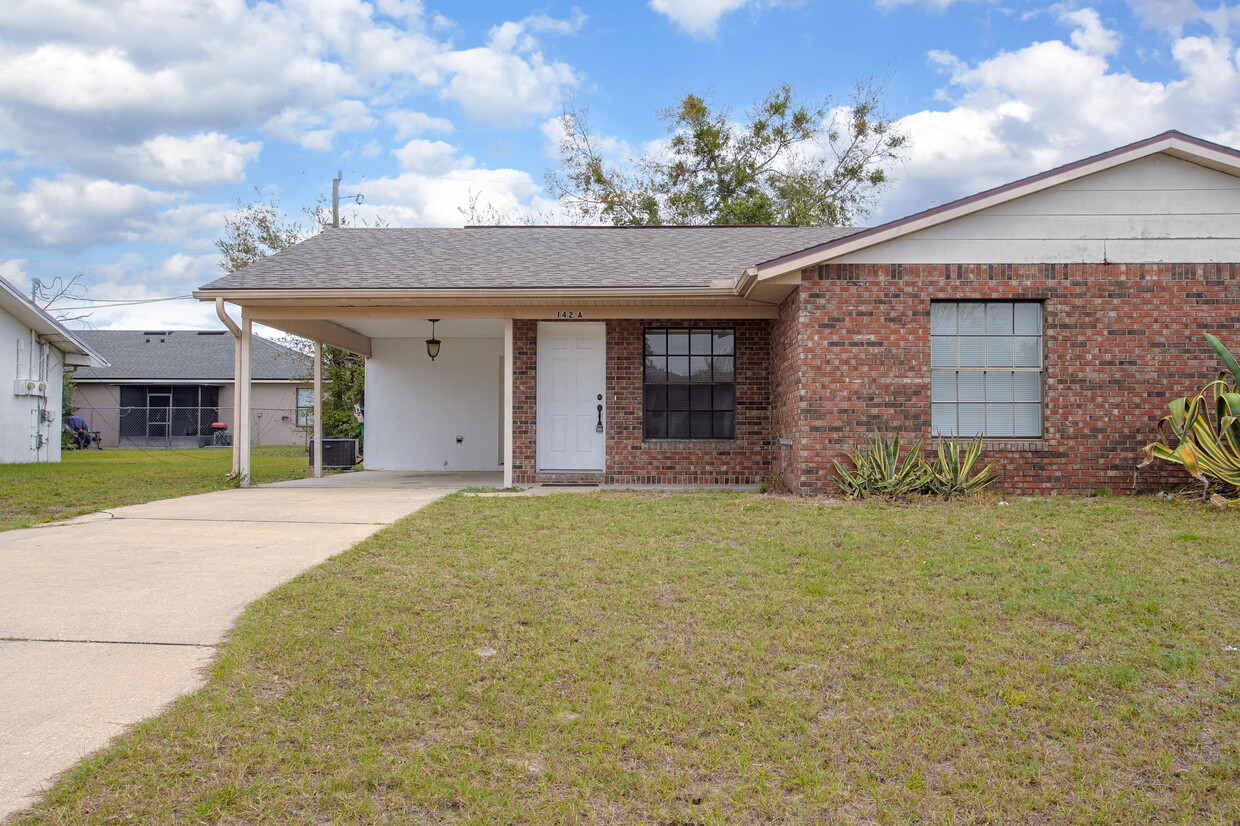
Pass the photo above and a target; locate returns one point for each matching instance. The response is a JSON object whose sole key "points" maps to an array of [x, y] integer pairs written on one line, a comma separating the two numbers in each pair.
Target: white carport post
{"points": [[236, 331], [318, 410], [508, 359], [243, 396]]}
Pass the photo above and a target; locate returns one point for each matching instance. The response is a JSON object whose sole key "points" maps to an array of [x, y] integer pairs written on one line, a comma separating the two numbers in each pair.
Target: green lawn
{"points": [[714, 658], [90, 480]]}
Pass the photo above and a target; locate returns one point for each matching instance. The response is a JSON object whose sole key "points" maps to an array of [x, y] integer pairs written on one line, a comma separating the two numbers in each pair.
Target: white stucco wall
{"points": [[20, 420], [1154, 210], [415, 409]]}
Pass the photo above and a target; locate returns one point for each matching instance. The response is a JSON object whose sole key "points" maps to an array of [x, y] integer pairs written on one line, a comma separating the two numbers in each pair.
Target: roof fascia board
{"points": [[1174, 144], [274, 316], [395, 297]]}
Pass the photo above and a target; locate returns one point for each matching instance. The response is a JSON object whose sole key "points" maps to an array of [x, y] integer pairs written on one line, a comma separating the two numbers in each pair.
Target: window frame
{"points": [[1011, 399], [304, 414], [696, 401]]}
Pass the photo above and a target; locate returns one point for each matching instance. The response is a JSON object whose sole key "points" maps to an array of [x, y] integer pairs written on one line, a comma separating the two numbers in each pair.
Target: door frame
{"points": [[600, 329]]}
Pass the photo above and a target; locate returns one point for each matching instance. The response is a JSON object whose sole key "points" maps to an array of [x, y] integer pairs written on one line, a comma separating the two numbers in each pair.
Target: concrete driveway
{"points": [[106, 618]]}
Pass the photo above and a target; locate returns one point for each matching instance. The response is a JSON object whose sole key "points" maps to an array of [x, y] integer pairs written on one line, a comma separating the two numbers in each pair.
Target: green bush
{"points": [[1202, 432]]}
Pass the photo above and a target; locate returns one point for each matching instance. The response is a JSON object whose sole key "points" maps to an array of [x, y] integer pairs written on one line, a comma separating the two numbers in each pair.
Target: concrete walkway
{"points": [[106, 618]]}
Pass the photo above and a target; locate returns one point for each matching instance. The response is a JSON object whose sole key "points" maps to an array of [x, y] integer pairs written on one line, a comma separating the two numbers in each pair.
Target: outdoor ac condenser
{"points": [[339, 454]]}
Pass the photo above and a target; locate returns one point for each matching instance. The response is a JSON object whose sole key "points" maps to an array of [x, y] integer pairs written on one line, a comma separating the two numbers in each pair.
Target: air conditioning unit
{"points": [[30, 387], [338, 454]]}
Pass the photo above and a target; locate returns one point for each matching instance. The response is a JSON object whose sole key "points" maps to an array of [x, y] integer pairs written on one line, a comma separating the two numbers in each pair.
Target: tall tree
{"points": [[259, 229], [787, 162]]}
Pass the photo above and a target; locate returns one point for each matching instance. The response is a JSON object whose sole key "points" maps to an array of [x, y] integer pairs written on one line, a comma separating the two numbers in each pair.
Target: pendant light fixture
{"points": [[432, 343]]}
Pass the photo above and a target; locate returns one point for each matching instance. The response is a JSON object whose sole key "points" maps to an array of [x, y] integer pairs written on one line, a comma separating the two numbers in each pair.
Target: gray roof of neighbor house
{"points": [[184, 355], [523, 257]]}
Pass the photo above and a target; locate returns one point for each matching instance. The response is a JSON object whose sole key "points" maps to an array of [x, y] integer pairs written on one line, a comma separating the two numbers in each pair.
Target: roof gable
{"points": [[1177, 151]]}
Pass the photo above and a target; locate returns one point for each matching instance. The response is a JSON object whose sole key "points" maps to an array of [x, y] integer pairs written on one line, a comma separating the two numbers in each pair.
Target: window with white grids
{"points": [[986, 369], [305, 407]]}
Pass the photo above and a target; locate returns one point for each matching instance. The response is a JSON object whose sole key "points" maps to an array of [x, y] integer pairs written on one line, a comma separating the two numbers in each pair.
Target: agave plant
{"points": [[878, 470], [1205, 429], [952, 474]]}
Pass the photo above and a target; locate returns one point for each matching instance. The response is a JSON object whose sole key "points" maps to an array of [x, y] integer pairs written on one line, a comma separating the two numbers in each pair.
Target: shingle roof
{"points": [[184, 355], [523, 257]]}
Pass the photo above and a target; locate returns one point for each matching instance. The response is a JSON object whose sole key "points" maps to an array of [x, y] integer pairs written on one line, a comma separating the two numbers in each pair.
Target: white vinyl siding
{"points": [[986, 368], [1154, 210]]}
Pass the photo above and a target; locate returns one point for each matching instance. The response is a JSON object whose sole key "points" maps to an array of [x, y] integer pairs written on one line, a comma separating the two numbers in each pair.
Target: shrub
{"points": [[1204, 429], [952, 472], [878, 470]]}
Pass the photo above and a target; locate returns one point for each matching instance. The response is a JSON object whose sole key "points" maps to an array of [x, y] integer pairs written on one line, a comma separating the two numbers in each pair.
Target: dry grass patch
{"points": [[712, 659]]}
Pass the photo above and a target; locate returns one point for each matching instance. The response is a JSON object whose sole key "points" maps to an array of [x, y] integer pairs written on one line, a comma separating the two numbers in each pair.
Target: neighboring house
{"points": [[167, 388], [1055, 315], [30, 377]]}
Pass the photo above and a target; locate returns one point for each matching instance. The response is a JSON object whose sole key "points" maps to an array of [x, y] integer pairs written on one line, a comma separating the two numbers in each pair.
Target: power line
{"points": [[101, 303]]}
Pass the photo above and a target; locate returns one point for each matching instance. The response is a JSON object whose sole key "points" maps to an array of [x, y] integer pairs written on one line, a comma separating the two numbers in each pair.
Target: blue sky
{"points": [[130, 128]]}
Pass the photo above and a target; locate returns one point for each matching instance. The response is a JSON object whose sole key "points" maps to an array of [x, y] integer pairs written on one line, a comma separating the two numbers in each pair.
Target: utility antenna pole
{"points": [[336, 198]]}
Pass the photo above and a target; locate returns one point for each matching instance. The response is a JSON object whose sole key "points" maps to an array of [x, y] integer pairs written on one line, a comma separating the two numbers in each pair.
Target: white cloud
{"points": [[409, 124], [699, 18], [1022, 112], [508, 80], [200, 159], [1090, 36], [317, 128], [133, 278], [81, 81], [73, 211], [435, 184], [429, 157], [14, 272], [1165, 14], [933, 5]]}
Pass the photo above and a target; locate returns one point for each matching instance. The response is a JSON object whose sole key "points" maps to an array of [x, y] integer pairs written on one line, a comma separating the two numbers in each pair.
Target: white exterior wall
{"points": [[416, 408], [21, 423], [1157, 209]]}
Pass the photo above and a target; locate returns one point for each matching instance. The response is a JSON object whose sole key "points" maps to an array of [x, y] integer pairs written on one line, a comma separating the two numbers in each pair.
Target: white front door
{"points": [[572, 378]]}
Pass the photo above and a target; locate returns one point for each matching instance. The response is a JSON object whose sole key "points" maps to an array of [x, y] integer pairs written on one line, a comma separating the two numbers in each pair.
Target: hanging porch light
{"points": [[432, 343]]}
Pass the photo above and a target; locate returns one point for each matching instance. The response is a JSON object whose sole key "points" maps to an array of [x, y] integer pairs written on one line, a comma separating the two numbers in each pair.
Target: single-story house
{"points": [[31, 376], [1055, 316], [173, 388]]}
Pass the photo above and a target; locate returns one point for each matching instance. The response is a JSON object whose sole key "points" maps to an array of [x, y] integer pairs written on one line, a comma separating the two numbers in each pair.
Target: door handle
{"points": [[598, 428]]}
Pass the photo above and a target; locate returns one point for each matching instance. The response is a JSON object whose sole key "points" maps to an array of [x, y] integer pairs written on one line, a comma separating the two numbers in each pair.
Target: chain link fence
{"points": [[183, 427]]}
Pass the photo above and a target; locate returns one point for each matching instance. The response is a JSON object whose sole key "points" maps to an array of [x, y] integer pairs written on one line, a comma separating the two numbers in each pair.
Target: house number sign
{"points": [[569, 314]]}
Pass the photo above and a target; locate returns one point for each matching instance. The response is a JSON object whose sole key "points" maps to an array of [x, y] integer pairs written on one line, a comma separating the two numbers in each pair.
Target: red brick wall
{"points": [[631, 460], [524, 397], [1119, 342], [786, 357]]}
